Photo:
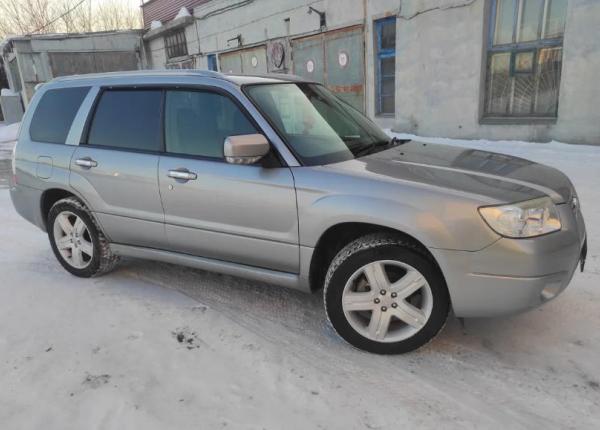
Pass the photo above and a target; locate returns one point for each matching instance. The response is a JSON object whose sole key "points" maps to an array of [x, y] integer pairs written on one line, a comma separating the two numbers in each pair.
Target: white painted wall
{"points": [[156, 54], [439, 74], [265, 19]]}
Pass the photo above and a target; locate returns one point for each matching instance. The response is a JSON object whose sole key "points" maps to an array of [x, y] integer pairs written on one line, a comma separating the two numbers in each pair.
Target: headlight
{"points": [[525, 219]]}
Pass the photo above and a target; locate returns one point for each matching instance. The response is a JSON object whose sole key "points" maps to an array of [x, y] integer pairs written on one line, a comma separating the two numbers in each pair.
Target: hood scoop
{"points": [[482, 164], [557, 198]]}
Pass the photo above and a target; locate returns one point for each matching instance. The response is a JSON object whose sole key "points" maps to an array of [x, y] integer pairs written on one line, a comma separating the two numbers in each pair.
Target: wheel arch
{"points": [[335, 237], [50, 196]]}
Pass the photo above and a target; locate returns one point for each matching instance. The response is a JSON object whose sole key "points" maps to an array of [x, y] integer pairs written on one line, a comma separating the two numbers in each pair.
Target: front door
{"points": [[240, 213], [116, 169]]}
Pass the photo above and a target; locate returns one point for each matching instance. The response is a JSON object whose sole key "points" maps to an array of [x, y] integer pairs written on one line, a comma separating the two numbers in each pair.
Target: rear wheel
{"points": [[76, 240], [384, 295]]}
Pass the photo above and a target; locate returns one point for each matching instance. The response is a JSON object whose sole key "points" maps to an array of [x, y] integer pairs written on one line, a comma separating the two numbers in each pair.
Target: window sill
{"points": [[385, 115], [179, 59], [515, 120]]}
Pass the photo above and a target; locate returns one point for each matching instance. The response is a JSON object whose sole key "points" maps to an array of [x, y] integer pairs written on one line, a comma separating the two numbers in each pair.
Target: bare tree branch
{"points": [[66, 16]]}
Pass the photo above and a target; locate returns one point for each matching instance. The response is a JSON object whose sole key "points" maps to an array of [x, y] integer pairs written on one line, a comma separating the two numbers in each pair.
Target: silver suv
{"points": [[275, 179]]}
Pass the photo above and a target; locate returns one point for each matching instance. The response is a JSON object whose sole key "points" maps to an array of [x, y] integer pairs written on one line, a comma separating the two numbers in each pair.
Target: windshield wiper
{"points": [[369, 149]]}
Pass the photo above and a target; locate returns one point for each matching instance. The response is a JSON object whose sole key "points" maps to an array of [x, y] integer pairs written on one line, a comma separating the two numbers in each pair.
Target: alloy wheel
{"points": [[73, 240], [387, 301]]}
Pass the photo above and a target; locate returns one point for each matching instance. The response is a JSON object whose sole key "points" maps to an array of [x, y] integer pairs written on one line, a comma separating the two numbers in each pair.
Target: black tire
{"points": [[376, 247], [102, 260]]}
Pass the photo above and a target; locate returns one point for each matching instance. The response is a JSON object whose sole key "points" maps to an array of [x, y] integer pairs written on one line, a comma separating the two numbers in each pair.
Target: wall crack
{"points": [[421, 12]]}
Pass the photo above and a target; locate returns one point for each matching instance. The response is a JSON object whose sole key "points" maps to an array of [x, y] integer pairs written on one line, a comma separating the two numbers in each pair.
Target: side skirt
{"points": [[289, 280]]}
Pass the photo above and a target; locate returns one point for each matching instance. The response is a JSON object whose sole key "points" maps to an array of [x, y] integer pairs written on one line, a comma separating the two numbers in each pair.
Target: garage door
{"points": [[245, 61], [336, 59]]}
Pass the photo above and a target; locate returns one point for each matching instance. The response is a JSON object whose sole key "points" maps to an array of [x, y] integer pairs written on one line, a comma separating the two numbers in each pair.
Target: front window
{"points": [[198, 122], [176, 45], [317, 126], [524, 58]]}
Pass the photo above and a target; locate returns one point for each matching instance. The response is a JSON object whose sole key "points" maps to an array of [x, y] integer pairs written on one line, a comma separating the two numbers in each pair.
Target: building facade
{"points": [[329, 41], [492, 69], [499, 69]]}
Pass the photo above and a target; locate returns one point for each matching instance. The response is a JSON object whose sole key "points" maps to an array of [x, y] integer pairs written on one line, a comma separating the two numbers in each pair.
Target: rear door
{"points": [[239, 213], [115, 169]]}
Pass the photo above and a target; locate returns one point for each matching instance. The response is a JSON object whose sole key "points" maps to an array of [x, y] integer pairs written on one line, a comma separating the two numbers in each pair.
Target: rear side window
{"points": [[128, 119], [198, 122], [55, 113]]}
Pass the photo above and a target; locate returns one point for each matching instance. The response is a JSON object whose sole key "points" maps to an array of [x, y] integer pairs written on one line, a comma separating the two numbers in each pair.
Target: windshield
{"points": [[318, 127]]}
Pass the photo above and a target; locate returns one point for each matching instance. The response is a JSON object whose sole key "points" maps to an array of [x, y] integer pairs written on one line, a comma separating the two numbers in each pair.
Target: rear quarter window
{"points": [[55, 113]]}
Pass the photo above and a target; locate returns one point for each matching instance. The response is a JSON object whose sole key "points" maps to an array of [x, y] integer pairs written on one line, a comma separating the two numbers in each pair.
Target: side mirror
{"points": [[245, 149]]}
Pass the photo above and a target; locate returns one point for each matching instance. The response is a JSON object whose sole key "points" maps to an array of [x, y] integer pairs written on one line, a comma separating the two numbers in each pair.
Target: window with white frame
{"points": [[176, 44], [524, 58]]}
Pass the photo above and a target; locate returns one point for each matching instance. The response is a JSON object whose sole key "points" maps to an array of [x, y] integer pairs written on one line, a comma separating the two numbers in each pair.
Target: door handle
{"points": [[184, 175], [86, 162]]}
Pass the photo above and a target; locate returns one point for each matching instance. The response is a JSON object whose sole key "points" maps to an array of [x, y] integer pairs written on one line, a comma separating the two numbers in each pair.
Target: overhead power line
{"points": [[58, 17]]}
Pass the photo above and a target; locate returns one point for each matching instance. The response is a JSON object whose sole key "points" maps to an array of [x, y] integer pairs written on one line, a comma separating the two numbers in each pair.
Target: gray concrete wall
{"points": [[440, 59], [578, 112], [12, 109], [43, 58], [211, 34], [155, 44], [265, 19], [286, 20], [439, 73]]}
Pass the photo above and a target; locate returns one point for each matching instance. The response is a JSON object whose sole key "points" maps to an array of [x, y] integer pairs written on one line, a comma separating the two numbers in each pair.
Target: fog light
{"points": [[550, 291]]}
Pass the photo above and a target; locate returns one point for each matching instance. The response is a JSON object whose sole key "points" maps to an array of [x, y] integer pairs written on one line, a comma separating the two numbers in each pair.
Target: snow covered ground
{"points": [[8, 136], [8, 132], [159, 346]]}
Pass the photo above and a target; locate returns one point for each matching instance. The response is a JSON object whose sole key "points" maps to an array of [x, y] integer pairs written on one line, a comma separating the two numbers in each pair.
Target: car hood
{"points": [[503, 178]]}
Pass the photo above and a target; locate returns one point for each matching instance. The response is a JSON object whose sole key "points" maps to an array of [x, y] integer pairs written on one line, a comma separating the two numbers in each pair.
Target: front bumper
{"points": [[514, 275]]}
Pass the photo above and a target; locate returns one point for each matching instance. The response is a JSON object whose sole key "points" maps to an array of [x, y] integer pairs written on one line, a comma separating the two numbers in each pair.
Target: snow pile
{"points": [[183, 12], [9, 133], [157, 346], [8, 138], [7, 92]]}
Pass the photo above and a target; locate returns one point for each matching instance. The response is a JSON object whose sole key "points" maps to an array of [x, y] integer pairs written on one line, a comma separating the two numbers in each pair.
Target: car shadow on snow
{"points": [[255, 304]]}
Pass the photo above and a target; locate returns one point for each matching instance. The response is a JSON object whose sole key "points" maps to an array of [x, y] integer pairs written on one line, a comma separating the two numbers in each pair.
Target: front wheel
{"points": [[384, 295]]}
